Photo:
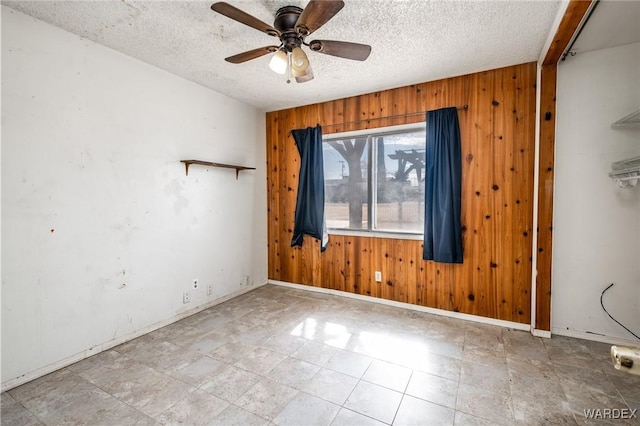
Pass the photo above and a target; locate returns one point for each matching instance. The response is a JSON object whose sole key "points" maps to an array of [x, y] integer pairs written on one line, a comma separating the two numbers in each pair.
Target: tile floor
{"points": [[285, 356]]}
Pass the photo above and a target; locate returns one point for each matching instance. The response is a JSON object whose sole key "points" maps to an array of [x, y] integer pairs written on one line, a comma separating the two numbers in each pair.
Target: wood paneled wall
{"points": [[546, 173], [497, 195]]}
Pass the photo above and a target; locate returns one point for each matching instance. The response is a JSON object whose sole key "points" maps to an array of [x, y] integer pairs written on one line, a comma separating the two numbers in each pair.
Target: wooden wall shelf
{"points": [[187, 163]]}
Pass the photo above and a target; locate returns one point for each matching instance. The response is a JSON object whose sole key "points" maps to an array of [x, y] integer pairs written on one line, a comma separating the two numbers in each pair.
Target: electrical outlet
{"points": [[195, 283], [186, 297], [378, 276], [209, 290]]}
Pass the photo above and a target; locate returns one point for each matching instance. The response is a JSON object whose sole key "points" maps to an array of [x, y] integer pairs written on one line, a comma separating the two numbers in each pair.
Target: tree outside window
{"points": [[375, 182]]}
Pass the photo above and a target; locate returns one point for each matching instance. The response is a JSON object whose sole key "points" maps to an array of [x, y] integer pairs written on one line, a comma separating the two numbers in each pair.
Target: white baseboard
{"points": [[441, 312], [596, 337], [541, 333], [50, 368]]}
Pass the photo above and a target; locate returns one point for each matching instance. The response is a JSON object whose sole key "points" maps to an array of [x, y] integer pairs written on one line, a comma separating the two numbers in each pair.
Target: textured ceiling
{"points": [[412, 41]]}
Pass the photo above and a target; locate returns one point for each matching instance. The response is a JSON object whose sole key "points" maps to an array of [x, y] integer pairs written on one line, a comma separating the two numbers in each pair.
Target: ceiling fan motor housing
{"points": [[285, 22]]}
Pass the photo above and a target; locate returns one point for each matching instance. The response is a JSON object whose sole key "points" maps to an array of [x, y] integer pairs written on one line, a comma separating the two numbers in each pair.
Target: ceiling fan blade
{"points": [[316, 14], [251, 54], [244, 18], [342, 49]]}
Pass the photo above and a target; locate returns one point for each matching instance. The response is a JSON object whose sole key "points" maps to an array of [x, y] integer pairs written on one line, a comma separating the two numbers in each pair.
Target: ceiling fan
{"points": [[292, 25]]}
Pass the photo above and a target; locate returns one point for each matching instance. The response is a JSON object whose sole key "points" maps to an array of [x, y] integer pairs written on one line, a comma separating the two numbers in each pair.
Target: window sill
{"points": [[377, 234]]}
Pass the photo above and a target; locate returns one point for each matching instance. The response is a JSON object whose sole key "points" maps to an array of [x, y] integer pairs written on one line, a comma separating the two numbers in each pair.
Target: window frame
{"points": [[372, 154]]}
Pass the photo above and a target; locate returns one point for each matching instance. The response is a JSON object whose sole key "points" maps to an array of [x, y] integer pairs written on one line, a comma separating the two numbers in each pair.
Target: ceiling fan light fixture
{"points": [[307, 76], [279, 62], [299, 72], [299, 60]]}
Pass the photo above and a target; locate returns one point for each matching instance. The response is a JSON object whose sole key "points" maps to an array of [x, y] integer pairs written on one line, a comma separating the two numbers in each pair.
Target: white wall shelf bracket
{"points": [[631, 120]]}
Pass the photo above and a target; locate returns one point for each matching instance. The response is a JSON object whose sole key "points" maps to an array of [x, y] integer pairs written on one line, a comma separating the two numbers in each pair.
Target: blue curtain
{"points": [[443, 175], [309, 216]]}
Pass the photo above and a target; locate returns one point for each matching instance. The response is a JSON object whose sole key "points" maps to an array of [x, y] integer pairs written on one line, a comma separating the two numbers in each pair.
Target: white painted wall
{"points": [[596, 224], [101, 229]]}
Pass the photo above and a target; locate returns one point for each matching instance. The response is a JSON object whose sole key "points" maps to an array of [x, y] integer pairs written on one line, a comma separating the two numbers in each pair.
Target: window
{"points": [[374, 180]]}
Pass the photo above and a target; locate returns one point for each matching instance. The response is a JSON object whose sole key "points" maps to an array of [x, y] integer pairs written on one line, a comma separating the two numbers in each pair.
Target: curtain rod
{"points": [[385, 118]]}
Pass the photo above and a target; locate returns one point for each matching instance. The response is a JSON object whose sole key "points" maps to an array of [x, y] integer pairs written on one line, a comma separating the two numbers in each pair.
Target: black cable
{"points": [[607, 312]]}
